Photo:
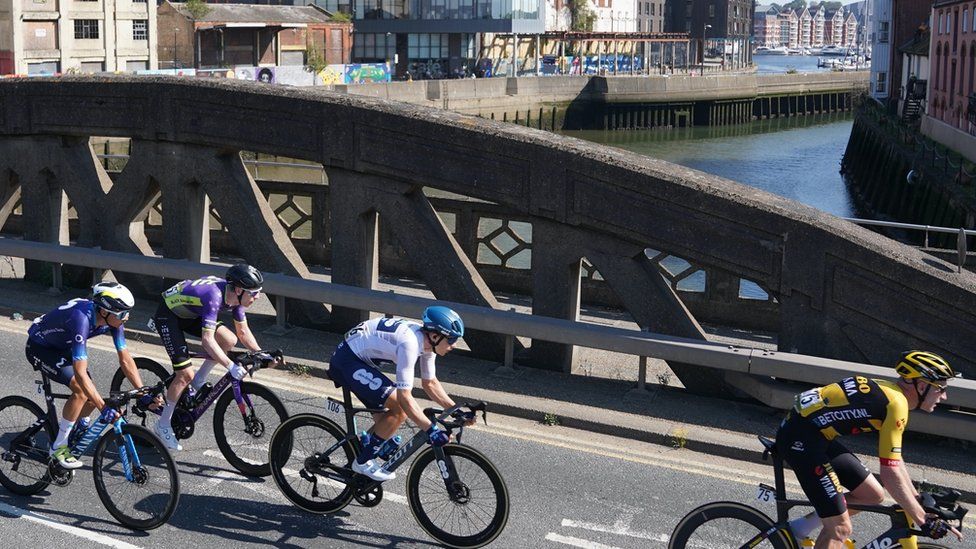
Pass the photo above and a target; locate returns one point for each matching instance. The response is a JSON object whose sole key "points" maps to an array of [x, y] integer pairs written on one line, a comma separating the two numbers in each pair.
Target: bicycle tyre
{"points": [[20, 482], [498, 518], [286, 448], [249, 443], [151, 373], [154, 458], [726, 510]]}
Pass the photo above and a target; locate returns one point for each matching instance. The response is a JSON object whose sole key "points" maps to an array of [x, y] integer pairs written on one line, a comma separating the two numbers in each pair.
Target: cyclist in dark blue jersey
{"points": [[57, 344]]}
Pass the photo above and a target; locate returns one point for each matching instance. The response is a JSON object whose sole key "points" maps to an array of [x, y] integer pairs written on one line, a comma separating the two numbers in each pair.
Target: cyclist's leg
{"points": [[863, 487], [226, 339], [57, 366], [387, 424], [835, 532], [170, 329]]}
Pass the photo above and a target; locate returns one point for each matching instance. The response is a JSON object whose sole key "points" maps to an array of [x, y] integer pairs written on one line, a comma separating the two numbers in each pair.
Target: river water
{"points": [[798, 158]]}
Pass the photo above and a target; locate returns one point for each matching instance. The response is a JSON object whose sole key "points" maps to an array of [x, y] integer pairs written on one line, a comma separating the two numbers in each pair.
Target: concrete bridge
{"points": [[843, 291]]}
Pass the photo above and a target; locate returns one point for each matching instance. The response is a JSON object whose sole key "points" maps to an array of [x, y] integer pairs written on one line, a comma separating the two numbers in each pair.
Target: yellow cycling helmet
{"points": [[924, 365]]}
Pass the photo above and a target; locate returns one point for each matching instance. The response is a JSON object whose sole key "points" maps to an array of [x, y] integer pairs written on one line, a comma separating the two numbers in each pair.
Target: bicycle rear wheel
{"points": [[24, 469], [147, 499], [471, 515], [726, 524], [304, 469], [151, 373], [245, 440]]}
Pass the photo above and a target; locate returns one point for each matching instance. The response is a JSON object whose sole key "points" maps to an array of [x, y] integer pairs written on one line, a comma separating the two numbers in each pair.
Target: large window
{"points": [[883, 32], [140, 29], [881, 84], [427, 46], [86, 29], [374, 46]]}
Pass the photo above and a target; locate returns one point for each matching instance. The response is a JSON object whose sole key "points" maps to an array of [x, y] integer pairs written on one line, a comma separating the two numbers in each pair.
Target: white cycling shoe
{"points": [[168, 437], [372, 470]]}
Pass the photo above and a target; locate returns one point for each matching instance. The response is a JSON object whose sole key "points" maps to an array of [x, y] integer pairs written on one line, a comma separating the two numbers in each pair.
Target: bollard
{"points": [[280, 315], [642, 373], [57, 283], [507, 369]]}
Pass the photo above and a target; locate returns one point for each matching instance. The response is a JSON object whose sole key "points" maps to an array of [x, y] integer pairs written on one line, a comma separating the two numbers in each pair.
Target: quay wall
{"points": [[583, 102], [881, 153]]}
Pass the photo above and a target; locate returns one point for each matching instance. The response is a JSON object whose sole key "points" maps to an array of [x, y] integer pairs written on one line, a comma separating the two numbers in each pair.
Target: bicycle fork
{"points": [[457, 490], [252, 425]]}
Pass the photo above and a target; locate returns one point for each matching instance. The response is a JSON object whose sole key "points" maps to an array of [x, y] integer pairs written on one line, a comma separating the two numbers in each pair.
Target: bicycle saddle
{"points": [[769, 446]]}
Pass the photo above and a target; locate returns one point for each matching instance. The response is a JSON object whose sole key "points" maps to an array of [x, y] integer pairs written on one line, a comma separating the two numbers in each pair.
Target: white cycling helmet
{"points": [[113, 297]]}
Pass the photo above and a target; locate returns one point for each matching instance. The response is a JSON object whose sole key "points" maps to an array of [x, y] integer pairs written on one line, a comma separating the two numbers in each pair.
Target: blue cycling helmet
{"points": [[444, 321]]}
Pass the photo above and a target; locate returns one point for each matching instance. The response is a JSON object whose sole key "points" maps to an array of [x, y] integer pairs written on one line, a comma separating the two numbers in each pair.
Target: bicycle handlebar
{"points": [[256, 359], [457, 415], [944, 505], [123, 397]]}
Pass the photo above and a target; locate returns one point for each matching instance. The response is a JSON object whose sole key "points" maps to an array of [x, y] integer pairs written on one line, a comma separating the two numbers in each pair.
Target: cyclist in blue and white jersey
{"points": [[57, 344], [401, 342]]}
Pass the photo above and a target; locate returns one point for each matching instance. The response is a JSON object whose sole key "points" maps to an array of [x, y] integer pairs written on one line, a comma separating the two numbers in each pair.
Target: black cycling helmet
{"points": [[245, 277]]}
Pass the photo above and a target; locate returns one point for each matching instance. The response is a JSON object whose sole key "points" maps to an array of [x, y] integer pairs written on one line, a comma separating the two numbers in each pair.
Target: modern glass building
{"points": [[433, 38]]}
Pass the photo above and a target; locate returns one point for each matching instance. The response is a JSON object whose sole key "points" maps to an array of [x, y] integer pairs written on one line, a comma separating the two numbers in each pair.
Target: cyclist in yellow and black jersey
{"points": [[808, 441]]}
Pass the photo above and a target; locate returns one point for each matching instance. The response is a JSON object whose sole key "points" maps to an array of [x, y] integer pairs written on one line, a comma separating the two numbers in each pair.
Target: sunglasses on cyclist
{"points": [[121, 315], [253, 293], [936, 386]]}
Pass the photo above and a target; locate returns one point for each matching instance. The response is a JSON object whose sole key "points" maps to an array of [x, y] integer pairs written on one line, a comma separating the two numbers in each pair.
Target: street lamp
{"points": [[704, 26]]}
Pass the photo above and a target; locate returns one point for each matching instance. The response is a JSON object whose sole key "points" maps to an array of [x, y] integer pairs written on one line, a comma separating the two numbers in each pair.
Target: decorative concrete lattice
{"points": [[505, 243]]}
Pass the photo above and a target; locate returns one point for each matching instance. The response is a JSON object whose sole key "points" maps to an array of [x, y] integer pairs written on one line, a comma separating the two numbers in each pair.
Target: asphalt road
{"points": [[568, 488]]}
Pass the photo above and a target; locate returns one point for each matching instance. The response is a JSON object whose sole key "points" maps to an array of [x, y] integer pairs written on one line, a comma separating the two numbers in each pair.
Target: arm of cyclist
{"points": [[245, 336], [412, 409], [433, 388], [895, 479], [87, 387], [129, 368]]}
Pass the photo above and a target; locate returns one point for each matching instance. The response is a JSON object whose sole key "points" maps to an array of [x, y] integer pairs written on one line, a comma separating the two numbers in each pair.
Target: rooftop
{"points": [[255, 13]]}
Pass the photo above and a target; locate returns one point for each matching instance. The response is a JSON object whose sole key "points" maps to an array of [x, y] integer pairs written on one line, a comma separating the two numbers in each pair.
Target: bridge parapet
{"points": [[844, 292]]}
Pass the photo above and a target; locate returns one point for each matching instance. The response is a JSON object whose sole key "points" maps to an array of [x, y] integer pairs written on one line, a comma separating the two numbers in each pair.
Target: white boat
{"points": [[812, 51], [833, 50], [794, 51], [763, 50]]}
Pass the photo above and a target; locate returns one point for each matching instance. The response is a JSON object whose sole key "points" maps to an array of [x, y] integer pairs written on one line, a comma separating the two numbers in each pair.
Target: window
{"points": [[711, 10], [140, 29], [651, 6], [91, 67], [881, 85], [374, 46], [86, 29], [941, 23], [639, 8], [965, 19], [427, 46], [688, 10], [883, 32]]}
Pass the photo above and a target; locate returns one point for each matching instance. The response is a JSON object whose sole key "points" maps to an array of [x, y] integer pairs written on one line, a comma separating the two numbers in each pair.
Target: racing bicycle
{"points": [[241, 435], [731, 524], [455, 493], [135, 476]]}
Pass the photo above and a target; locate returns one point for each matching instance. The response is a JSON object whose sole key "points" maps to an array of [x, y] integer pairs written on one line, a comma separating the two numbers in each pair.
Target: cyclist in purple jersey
{"points": [[57, 345], [192, 306]]}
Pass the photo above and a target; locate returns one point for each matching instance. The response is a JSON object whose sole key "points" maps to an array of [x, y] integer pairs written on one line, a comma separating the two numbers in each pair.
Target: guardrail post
{"points": [[961, 246], [281, 326], [57, 281], [507, 369]]}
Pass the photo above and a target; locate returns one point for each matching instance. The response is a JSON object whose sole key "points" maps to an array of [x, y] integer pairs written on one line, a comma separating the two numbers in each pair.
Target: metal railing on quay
{"points": [[783, 366], [961, 232]]}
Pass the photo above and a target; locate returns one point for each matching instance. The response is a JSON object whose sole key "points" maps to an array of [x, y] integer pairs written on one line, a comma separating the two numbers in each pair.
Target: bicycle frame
{"points": [[902, 527], [81, 446], [243, 401], [403, 452]]}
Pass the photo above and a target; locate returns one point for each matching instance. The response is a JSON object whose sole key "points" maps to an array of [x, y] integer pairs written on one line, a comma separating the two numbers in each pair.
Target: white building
{"points": [[50, 36], [879, 20]]}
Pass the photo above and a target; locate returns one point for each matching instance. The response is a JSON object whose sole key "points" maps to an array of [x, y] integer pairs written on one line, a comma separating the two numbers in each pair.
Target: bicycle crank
{"points": [[369, 496], [59, 475]]}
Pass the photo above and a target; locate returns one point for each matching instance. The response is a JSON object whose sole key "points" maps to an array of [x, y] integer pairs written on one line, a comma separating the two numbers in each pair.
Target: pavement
{"points": [[603, 399]]}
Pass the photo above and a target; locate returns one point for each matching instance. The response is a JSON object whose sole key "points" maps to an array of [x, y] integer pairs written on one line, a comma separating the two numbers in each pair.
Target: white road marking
{"points": [[577, 542], [618, 529], [17, 512]]}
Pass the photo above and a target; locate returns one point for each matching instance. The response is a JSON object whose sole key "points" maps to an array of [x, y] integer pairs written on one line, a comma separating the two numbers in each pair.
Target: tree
{"points": [[581, 16], [315, 62], [198, 9], [831, 6], [797, 5]]}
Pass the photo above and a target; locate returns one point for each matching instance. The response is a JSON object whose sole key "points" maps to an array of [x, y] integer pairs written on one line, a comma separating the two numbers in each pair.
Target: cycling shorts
{"points": [[171, 329], [365, 380], [821, 466], [56, 364]]}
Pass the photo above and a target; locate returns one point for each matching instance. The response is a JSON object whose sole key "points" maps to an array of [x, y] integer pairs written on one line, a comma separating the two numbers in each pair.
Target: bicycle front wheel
{"points": [[24, 466], [726, 524], [244, 435], [470, 514], [309, 454], [135, 478]]}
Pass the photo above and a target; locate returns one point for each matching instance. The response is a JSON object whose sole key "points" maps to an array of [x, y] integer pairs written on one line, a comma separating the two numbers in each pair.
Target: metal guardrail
{"points": [[784, 366], [961, 233]]}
